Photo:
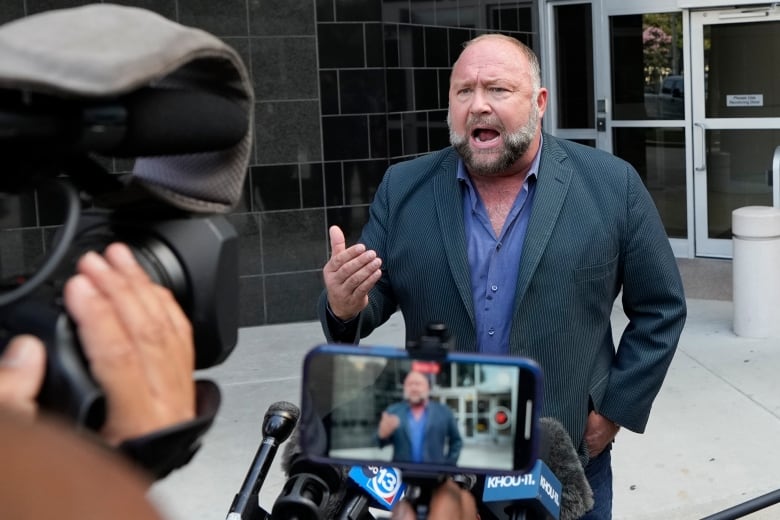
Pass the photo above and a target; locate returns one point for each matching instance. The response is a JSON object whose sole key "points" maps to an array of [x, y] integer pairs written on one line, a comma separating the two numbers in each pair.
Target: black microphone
{"points": [[557, 450], [279, 422], [556, 487], [151, 121], [313, 490]]}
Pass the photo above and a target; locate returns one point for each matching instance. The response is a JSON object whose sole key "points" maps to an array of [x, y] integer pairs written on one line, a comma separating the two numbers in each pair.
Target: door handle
{"points": [[703, 166], [776, 178]]}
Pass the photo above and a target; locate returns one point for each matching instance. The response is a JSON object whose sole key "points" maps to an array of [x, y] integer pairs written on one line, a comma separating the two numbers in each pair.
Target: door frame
{"points": [[547, 53], [699, 123]]}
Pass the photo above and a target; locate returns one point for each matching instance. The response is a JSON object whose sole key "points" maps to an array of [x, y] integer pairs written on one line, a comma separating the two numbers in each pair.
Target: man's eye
{"points": [[499, 92]]}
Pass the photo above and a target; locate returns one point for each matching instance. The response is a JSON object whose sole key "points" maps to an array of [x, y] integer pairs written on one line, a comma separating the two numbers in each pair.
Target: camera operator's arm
{"points": [[138, 343]]}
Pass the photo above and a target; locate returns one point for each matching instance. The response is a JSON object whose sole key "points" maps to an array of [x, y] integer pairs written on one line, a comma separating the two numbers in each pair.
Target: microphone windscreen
{"points": [[284, 407], [559, 454], [167, 121]]}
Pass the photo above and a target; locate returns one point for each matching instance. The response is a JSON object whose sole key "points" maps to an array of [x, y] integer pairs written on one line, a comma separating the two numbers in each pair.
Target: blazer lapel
{"points": [[552, 184], [449, 208]]}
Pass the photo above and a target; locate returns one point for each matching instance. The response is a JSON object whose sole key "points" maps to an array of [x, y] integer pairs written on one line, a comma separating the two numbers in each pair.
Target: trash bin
{"points": [[756, 271]]}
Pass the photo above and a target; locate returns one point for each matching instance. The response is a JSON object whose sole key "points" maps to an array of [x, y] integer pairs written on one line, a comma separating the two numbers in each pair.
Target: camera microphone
{"points": [[279, 422], [150, 121]]}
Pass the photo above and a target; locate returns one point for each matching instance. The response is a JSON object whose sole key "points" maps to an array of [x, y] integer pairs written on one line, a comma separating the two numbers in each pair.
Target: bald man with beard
{"points": [[419, 429]]}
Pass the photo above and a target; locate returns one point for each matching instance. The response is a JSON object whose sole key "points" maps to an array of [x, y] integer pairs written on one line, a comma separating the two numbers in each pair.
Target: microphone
{"points": [[555, 488], [151, 121], [312, 491], [279, 421], [558, 451], [315, 490], [535, 495], [379, 486]]}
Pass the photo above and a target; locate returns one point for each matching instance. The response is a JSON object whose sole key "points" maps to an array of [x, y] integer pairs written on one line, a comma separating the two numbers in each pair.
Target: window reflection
{"points": [[740, 70], [574, 66], [739, 171], [658, 154], [647, 62]]}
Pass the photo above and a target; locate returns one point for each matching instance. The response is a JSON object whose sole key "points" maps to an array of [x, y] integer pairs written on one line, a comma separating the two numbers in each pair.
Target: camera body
{"points": [[194, 256]]}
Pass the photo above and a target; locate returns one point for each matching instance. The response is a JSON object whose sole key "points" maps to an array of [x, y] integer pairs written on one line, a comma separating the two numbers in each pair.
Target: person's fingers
{"points": [[349, 276], [361, 270], [337, 241], [22, 369], [446, 502], [403, 511], [468, 505], [159, 304], [450, 501], [113, 359], [119, 278], [137, 340]]}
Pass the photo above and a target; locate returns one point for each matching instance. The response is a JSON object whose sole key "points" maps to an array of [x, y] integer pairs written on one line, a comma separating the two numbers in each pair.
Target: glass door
{"points": [[568, 54], [736, 118]]}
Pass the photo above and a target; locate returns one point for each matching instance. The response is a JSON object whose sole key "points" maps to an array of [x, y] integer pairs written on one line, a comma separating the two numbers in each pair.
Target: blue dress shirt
{"points": [[495, 261]]}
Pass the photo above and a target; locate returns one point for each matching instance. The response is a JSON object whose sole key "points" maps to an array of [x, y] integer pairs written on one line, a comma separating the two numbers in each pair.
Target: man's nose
{"points": [[480, 102]]}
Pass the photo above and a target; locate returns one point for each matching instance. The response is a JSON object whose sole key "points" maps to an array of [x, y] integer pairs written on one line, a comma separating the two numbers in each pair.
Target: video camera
{"points": [[181, 107]]}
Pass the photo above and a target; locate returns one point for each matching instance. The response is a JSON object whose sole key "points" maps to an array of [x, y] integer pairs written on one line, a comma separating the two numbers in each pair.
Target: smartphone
{"points": [[353, 395]]}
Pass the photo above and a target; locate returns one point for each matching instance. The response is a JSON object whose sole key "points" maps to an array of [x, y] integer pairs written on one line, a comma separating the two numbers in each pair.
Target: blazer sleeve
{"points": [[382, 303], [654, 303]]}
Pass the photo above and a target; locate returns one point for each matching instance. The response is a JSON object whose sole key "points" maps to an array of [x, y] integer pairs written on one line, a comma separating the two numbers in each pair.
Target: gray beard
{"points": [[515, 145]]}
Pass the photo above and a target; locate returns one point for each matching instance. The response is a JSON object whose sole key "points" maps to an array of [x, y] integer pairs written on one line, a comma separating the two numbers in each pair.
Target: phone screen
{"points": [[378, 406]]}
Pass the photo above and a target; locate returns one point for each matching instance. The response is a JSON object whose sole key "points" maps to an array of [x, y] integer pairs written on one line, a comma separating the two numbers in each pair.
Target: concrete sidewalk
{"points": [[712, 440]]}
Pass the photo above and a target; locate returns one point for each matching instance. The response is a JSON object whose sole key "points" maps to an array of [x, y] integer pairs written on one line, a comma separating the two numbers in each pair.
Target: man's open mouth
{"points": [[484, 135]]}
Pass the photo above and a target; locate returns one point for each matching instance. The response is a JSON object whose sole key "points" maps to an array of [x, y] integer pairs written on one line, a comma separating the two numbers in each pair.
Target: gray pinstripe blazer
{"points": [[593, 231]]}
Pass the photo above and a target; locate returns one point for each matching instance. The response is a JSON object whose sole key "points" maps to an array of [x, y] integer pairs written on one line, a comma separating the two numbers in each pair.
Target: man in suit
{"points": [[521, 242], [418, 428]]}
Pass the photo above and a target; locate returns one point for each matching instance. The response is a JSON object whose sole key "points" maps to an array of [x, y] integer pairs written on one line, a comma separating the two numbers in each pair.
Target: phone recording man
{"points": [[419, 429]]}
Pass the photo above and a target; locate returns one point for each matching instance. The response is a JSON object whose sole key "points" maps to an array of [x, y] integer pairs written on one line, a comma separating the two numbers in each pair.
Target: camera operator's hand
{"points": [[138, 342], [22, 367], [449, 502]]}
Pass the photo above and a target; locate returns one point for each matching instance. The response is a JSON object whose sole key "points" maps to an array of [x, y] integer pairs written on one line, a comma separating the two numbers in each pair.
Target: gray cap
{"points": [[105, 50]]}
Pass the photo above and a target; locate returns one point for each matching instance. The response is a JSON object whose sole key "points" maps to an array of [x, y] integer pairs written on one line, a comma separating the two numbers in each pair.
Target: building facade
{"points": [[682, 89]]}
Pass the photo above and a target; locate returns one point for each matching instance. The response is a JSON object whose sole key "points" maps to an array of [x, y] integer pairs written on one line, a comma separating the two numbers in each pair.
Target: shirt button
{"points": [[491, 331], [494, 288]]}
